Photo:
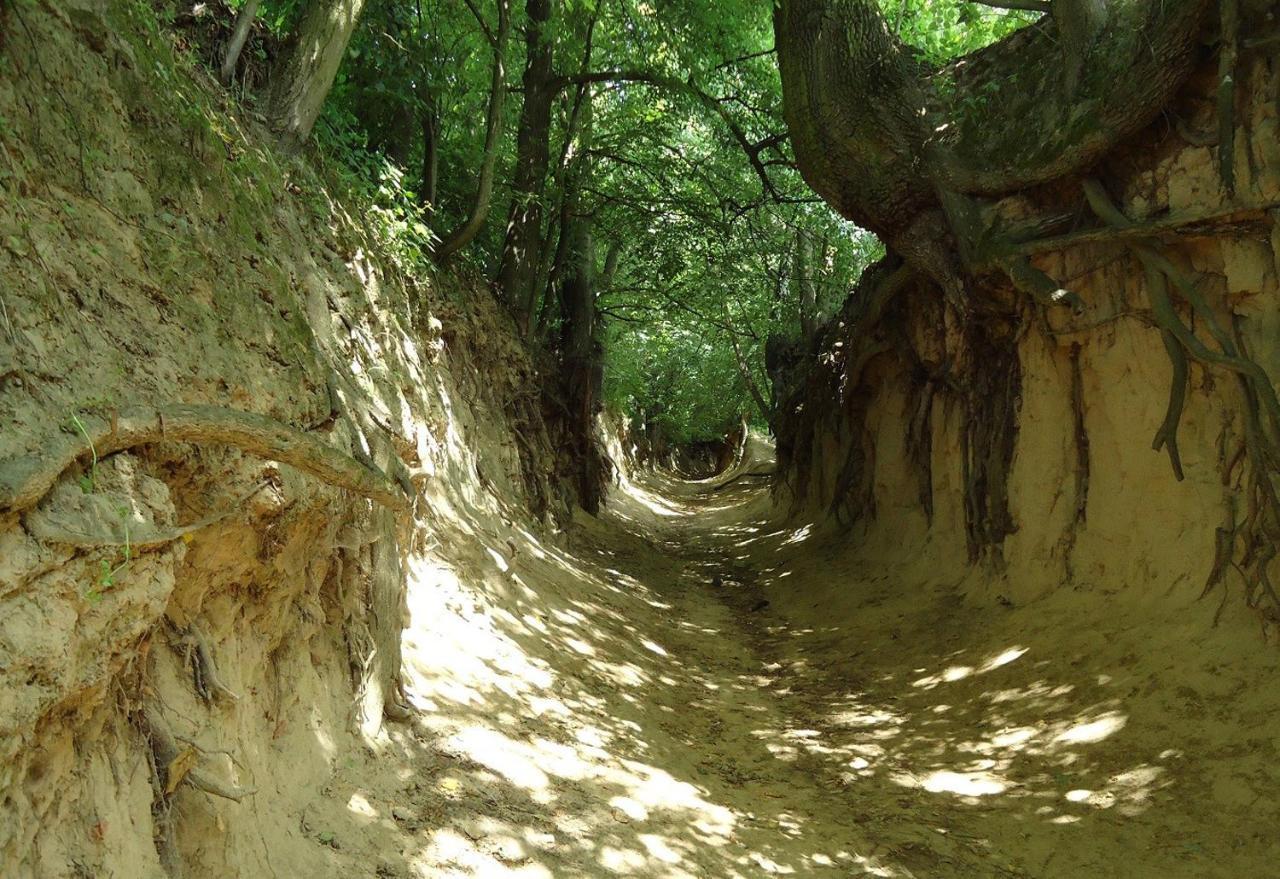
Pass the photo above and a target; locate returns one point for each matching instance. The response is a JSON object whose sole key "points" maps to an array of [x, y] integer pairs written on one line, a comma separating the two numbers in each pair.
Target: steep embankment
{"points": [[193, 639], [1016, 444]]}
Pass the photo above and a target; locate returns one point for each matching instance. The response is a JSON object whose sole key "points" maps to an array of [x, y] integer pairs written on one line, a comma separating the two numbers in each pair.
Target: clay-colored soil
{"points": [[625, 706]]}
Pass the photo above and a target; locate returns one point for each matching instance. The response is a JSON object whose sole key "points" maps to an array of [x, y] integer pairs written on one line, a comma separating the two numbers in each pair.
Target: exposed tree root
{"points": [[919, 442], [24, 481], [175, 767], [1038, 285], [1081, 439], [209, 683], [1167, 436], [1168, 319], [1261, 529], [1030, 239]]}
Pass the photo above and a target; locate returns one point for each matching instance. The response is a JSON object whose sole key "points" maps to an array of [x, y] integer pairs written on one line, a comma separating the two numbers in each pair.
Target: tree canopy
{"points": [[509, 136]]}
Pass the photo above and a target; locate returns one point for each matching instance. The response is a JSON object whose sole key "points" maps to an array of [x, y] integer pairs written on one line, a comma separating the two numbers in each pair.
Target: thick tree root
{"points": [[1030, 239], [173, 769], [1167, 436], [205, 667], [1081, 440], [1039, 286], [24, 481]]}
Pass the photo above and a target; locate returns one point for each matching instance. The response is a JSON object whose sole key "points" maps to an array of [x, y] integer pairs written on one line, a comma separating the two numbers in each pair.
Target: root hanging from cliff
{"points": [[1259, 532]]}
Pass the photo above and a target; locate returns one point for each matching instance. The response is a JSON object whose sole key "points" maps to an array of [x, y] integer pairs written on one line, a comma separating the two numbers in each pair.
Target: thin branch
{"points": [[749, 56], [710, 103], [1041, 6], [484, 26]]}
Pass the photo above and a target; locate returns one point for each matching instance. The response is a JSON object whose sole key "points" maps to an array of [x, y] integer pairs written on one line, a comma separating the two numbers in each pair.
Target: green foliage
{"points": [[391, 211], [944, 29], [90, 479], [667, 375], [708, 268]]}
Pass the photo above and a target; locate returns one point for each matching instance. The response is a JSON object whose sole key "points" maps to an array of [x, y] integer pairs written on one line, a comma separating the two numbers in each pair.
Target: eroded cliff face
{"points": [[192, 639], [1015, 451]]}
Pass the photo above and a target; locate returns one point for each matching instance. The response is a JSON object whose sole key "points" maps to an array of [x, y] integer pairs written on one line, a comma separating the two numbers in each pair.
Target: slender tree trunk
{"points": [[551, 265], [611, 258], [548, 278], [744, 369], [302, 78], [244, 21], [581, 348], [464, 234], [429, 184], [517, 271]]}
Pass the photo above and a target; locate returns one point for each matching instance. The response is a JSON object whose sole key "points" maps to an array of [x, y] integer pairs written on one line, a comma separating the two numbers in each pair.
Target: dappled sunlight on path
{"points": [[662, 693]]}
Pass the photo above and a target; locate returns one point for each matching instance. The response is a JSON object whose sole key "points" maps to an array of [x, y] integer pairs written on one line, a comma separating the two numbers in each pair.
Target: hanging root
{"points": [[1261, 528], [1167, 317], [1167, 436], [24, 481], [1039, 286], [1081, 440]]}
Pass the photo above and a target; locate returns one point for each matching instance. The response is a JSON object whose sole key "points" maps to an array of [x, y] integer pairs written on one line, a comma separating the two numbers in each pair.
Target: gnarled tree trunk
{"points": [[887, 141]]}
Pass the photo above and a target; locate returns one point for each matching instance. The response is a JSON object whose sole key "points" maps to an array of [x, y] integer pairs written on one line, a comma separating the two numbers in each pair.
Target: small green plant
{"points": [[87, 481], [107, 571]]}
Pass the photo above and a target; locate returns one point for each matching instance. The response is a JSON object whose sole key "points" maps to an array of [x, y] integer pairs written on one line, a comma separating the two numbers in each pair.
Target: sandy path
{"points": [[622, 705]]}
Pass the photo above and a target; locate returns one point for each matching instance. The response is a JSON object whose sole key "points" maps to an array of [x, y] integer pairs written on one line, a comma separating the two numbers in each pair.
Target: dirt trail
{"points": [[627, 704]]}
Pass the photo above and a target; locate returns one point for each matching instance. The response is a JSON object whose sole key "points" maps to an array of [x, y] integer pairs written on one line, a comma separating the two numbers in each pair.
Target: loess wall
{"points": [[154, 252], [907, 432]]}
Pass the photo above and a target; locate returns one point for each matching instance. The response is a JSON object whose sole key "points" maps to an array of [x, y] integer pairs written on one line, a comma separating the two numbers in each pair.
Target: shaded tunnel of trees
{"points": [[682, 205]]}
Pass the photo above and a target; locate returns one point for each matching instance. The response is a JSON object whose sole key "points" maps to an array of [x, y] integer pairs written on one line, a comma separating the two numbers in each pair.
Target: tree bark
{"points": [[885, 140], [302, 78], [581, 348], [517, 271], [466, 233], [430, 182], [244, 21]]}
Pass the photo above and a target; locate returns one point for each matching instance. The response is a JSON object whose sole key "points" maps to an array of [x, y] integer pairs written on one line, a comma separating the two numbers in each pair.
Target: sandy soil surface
{"points": [[687, 688]]}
